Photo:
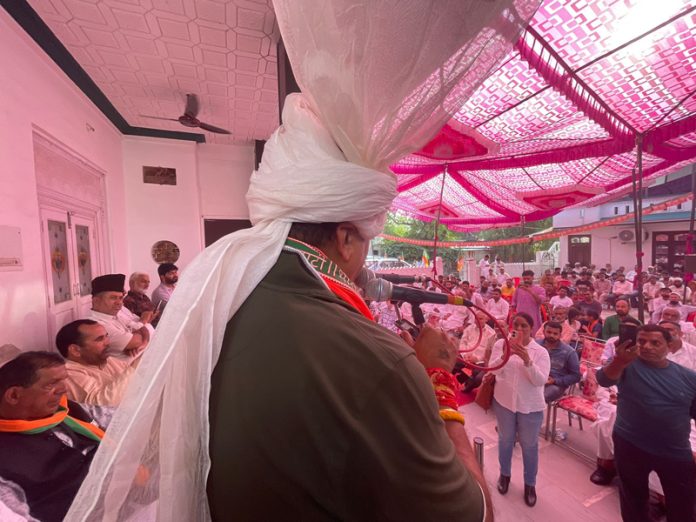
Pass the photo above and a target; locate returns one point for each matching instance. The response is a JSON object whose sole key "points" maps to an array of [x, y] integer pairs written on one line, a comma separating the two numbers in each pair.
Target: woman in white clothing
{"points": [[519, 402]]}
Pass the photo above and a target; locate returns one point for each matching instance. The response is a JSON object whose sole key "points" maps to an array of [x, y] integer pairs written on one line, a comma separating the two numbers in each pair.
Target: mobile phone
{"points": [[407, 326], [513, 334], [628, 332]]}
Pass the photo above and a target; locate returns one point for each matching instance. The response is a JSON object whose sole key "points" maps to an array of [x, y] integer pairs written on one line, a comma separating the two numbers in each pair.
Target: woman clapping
{"points": [[519, 402]]}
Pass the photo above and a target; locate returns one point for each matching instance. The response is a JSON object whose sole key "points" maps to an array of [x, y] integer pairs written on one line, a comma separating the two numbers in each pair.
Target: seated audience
{"points": [[602, 287], [169, 276], [651, 432], [658, 303], [564, 280], [610, 328], [126, 337], [508, 289], [136, 299], [590, 324], [502, 276], [651, 291], [497, 306], [565, 367], [485, 290], [561, 298], [673, 304], [622, 288], [586, 301], [547, 278], [479, 338], [93, 376], [568, 331], [679, 288], [46, 443]]}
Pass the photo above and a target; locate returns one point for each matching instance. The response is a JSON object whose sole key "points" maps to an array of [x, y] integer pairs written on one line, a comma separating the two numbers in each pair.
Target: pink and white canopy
{"points": [[556, 124]]}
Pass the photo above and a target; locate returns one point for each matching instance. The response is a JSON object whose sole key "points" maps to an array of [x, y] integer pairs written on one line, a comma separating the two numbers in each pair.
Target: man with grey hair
{"points": [[137, 301]]}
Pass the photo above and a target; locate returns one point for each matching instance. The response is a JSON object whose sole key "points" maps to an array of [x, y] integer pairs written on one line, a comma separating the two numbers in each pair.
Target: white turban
{"points": [[303, 177]]}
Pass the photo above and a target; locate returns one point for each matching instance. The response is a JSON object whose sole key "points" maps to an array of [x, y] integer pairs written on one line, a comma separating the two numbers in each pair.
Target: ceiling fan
{"points": [[188, 119]]}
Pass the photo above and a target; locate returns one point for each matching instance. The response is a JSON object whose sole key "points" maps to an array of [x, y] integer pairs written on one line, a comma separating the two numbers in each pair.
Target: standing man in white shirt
{"points": [[484, 265], [127, 336], [651, 290], [169, 277], [497, 306]]}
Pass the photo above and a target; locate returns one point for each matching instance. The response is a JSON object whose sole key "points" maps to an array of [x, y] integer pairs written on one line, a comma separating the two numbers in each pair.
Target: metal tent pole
{"points": [[691, 243], [524, 245], [638, 222], [437, 224]]}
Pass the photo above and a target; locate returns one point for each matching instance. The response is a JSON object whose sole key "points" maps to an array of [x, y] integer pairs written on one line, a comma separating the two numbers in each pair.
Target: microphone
{"points": [[366, 275], [383, 290], [403, 279]]}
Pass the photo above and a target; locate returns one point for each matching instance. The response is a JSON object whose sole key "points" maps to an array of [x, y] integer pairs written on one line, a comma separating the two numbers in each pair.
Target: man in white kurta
{"points": [[497, 306], [127, 335], [93, 376]]}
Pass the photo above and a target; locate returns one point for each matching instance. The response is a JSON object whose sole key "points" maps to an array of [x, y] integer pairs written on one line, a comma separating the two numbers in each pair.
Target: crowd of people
{"points": [[54, 407], [546, 321]]}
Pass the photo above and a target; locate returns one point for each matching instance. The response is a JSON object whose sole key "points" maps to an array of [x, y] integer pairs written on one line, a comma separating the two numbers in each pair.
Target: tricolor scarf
{"points": [[330, 273], [32, 427]]}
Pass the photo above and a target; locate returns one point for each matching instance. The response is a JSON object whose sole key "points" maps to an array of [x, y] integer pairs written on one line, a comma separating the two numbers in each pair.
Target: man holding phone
{"points": [[652, 426]]}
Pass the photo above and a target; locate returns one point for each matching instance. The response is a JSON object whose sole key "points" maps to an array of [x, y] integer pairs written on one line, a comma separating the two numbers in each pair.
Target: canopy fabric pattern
{"points": [[556, 124]]}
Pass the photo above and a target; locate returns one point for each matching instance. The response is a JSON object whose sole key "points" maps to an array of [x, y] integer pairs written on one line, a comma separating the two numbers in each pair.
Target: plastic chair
{"points": [[582, 405]]}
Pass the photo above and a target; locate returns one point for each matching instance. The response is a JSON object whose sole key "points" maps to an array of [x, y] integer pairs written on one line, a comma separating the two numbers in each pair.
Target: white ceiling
{"points": [[146, 55]]}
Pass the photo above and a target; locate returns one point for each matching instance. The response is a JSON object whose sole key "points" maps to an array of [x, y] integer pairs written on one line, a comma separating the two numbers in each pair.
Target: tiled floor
{"points": [[565, 493]]}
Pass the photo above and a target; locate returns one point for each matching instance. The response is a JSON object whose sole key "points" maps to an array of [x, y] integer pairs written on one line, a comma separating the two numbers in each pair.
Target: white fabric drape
{"points": [[380, 78]]}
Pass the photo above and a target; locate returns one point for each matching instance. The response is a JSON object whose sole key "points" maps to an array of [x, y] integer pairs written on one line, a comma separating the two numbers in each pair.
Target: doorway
{"points": [[71, 205], [580, 250], [70, 259]]}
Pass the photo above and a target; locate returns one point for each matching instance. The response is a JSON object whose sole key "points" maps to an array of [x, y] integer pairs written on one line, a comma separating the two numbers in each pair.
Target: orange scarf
{"points": [[31, 427]]}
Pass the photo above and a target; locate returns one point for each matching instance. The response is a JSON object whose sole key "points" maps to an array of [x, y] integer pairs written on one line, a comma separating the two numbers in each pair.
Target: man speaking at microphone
{"points": [[318, 413], [345, 423]]}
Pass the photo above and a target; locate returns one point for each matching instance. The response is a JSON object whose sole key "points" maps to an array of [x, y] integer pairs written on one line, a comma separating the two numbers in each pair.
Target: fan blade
{"points": [[157, 117], [213, 128], [192, 106]]}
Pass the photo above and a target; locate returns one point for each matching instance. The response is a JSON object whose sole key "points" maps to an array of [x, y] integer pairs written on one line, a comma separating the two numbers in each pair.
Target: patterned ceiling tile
{"points": [[85, 11], [130, 21], [146, 55]]}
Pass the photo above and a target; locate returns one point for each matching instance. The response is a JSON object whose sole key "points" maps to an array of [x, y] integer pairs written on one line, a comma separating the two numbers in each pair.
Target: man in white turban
{"points": [[322, 414]]}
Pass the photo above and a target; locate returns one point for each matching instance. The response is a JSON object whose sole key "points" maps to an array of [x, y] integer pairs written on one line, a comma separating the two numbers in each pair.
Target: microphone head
{"points": [[364, 276], [378, 290]]}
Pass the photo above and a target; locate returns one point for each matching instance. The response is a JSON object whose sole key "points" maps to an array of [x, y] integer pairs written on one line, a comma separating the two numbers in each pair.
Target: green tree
{"points": [[403, 226]]}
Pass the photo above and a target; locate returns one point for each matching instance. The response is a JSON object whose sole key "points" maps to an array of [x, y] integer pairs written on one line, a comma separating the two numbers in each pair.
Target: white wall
{"points": [[212, 181], [34, 92], [223, 174], [606, 247], [160, 212]]}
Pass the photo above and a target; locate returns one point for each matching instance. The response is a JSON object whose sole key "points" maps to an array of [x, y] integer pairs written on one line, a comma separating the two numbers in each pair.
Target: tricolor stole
{"points": [[329, 272]]}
